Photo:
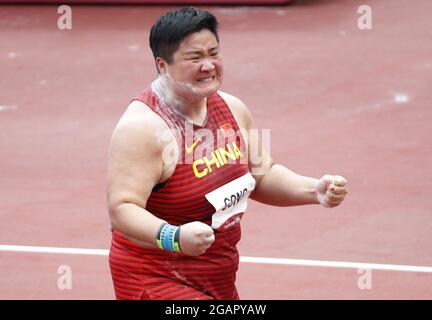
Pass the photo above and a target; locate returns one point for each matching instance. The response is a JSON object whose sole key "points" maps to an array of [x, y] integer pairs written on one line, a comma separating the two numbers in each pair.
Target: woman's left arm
{"points": [[276, 184]]}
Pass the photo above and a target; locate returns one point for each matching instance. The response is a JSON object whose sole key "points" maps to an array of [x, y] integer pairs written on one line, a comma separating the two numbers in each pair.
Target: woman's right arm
{"points": [[135, 166]]}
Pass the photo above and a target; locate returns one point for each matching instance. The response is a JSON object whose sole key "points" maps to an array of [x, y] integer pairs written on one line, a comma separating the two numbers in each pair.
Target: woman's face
{"points": [[197, 65]]}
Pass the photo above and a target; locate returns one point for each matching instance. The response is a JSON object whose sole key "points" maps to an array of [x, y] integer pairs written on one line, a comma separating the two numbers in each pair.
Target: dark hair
{"points": [[170, 29]]}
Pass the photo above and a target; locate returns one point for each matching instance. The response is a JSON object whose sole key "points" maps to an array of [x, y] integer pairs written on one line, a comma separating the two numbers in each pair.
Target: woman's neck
{"points": [[182, 97]]}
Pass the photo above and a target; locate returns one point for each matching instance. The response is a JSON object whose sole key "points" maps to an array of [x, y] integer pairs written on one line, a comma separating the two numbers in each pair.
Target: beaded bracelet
{"points": [[168, 237]]}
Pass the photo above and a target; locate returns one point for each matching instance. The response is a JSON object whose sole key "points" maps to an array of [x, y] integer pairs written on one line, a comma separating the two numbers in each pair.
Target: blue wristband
{"points": [[168, 238]]}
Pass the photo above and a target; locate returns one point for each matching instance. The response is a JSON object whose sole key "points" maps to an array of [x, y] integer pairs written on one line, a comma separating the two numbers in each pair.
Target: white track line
{"points": [[336, 264], [6, 108], [262, 260], [94, 252]]}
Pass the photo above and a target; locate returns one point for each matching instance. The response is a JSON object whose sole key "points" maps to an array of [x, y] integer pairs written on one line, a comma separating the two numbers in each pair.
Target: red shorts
{"points": [[128, 287], [170, 291], [135, 277]]}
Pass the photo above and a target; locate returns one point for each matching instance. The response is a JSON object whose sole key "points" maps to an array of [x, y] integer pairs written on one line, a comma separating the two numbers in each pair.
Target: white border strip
{"points": [[261, 260]]}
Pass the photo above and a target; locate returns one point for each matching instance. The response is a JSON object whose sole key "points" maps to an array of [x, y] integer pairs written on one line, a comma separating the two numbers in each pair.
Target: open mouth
{"points": [[208, 79]]}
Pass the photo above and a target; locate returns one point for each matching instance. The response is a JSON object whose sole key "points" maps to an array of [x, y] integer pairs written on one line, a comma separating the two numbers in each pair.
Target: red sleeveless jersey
{"points": [[211, 183]]}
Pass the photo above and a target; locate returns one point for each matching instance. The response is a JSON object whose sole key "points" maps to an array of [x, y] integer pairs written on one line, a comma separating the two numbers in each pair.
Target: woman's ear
{"points": [[161, 65]]}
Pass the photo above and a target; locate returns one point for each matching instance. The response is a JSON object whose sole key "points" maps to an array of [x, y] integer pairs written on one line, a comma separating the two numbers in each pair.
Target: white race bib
{"points": [[230, 199]]}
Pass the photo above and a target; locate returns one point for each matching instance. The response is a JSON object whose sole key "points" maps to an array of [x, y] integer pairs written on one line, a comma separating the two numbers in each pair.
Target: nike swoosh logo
{"points": [[192, 147]]}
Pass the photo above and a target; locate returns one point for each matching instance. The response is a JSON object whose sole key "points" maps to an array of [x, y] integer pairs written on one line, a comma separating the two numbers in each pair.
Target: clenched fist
{"points": [[195, 238], [331, 190]]}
